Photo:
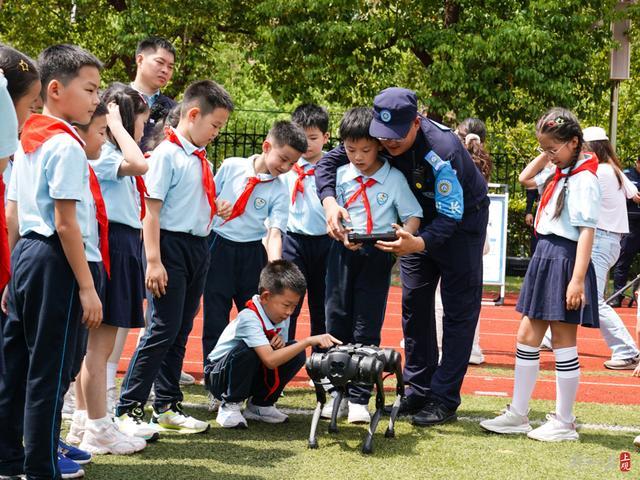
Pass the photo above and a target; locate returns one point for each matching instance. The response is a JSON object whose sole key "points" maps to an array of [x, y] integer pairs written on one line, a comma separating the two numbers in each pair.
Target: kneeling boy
{"points": [[251, 359]]}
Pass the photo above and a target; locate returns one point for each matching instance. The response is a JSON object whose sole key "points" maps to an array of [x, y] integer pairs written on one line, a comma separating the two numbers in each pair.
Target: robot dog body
{"points": [[357, 363]]}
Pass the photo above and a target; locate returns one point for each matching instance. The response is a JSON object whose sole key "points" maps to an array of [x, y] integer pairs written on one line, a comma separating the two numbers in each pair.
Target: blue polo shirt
{"points": [[390, 198], [267, 207], [57, 170], [306, 215], [246, 327], [8, 122], [175, 178], [120, 194]]}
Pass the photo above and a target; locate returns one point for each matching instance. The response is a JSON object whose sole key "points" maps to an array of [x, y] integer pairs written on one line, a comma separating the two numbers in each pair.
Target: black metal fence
{"points": [[243, 138]]}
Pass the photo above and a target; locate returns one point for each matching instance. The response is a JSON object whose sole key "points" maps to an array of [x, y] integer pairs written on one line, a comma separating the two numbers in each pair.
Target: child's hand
{"points": [[528, 219], [347, 243], [156, 279], [575, 295], [324, 341], [277, 342], [223, 208], [91, 307], [5, 301], [113, 117]]}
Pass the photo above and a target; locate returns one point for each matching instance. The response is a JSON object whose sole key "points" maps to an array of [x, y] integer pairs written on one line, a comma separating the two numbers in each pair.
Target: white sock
{"points": [[112, 369], [526, 374], [567, 380], [79, 417], [98, 423]]}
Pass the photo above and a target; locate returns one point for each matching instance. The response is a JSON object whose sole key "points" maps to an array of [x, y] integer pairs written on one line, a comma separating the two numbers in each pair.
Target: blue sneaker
{"points": [[81, 457], [69, 468]]}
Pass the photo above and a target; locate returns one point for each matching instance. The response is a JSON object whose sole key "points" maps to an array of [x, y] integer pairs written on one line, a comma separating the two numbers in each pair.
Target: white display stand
{"points": [[495, 261]]}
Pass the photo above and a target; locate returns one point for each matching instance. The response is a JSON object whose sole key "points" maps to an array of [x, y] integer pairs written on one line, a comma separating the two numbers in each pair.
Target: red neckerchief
{"points": [[40, 128], [363, 190], [299, 185], [241, 203], [103, 221], [270, 333], [208, 184], [5, 255], [589, 165]]}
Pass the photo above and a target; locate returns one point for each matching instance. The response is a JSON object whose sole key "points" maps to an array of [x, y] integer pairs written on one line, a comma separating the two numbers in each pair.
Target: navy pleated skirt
{"points": [[544, 291], [125, 289]]}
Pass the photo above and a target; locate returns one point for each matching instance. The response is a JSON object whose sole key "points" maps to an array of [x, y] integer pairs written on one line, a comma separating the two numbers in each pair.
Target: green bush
{"points": [[518, 233]]}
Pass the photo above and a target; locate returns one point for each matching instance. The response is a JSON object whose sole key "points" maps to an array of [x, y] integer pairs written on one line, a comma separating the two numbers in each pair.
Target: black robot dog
{"points": [[355, 364]]}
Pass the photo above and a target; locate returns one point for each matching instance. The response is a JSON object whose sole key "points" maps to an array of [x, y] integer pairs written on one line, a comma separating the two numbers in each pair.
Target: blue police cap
{"points": [[394, 109]]}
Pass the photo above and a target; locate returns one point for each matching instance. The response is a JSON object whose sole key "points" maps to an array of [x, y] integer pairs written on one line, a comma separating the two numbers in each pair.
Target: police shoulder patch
{"points": [[444, 187]]}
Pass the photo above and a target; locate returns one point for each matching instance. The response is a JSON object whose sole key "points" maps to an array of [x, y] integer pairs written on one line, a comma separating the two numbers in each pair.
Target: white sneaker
{"points": [[104, 437], [553, 430], [131, 424], [69, 405], [509, 422], [358, 413], [213, 404], [186, 379], [112, 399], [77, 427], [175, 420], [230, 416], [268, 414], [477, 357], [327, 410]]}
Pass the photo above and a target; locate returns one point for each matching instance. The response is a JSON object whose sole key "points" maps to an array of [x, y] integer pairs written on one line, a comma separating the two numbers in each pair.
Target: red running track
{"points": [[498, 327]]}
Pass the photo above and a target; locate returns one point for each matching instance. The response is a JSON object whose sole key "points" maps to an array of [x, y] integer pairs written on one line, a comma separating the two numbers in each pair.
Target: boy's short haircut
{"points": [[355, 124], [284, 132], [281, 275], [153, 44], [100, 111], [63, 63], [310, 115], [207, 95]]}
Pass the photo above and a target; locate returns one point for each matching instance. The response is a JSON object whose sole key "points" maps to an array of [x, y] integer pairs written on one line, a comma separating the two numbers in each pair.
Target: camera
{"points": [[349, 364]]}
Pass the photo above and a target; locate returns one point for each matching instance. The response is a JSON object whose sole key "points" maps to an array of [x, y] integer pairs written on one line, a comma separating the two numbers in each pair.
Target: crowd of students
{"points": [[111, 199]]}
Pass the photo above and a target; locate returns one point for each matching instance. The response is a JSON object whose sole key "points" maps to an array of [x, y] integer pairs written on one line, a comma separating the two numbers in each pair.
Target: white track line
{"points": [[588, 426]]}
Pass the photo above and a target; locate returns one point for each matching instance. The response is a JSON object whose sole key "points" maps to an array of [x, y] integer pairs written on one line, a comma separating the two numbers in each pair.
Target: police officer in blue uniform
{"points": [[630, 244], [448, 246]]}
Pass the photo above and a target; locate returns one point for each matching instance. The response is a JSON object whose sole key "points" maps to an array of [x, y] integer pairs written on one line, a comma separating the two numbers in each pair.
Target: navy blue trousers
{"points": [[41, 345], [310, 254], [629, 247], [459, 264], [240, 374], [159, 356], [234, 275], [357, 289]]}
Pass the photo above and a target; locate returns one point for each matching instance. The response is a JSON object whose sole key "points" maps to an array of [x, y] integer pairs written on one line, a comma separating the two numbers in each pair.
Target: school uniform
{"points": [[544, 289], [358, 281], [260, 202], [124, 201], [42, 332], [233, 369], [8, 146], [177, 175], [306, 242]]}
